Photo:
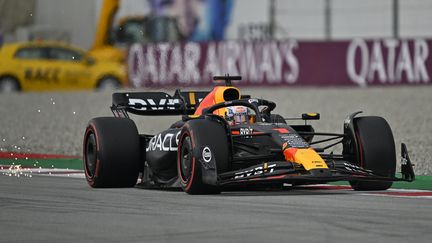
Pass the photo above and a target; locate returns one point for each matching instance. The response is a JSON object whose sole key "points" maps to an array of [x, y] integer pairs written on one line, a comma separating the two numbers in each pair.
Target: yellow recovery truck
{"points": [[110, 43]]}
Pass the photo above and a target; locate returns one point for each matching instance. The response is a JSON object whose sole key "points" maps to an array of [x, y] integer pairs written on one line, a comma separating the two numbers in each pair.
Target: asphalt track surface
{"points": [[55, 122], [62, 209]]}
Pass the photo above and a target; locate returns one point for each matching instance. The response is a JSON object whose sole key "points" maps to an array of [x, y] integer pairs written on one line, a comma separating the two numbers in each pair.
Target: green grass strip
{"points": [[421, 182]]}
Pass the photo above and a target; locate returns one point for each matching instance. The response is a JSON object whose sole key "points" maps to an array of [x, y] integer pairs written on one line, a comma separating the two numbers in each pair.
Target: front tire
{"points": [[276, 118], [108, 83], [111, 152], [376, 151], [196, 135]]}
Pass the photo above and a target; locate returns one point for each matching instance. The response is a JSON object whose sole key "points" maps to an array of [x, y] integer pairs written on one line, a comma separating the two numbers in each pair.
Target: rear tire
{"points": [[195, 135], [111, 152], [376, 151], [9, 85]]}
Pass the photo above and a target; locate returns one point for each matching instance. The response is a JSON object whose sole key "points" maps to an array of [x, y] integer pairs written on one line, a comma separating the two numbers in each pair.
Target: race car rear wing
{"points": [[156, 103]]}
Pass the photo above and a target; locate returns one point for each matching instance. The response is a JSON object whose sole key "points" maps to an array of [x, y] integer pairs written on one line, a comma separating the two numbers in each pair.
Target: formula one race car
{"points": [[227, 139]]}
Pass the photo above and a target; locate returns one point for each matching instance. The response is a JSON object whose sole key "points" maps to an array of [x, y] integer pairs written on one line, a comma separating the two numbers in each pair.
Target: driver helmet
{"points": [[237, 115]]}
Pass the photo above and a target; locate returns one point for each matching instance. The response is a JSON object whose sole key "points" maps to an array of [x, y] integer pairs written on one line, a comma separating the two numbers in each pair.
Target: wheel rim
{"points": [[91, 155], [186, 159], [8, 85]]}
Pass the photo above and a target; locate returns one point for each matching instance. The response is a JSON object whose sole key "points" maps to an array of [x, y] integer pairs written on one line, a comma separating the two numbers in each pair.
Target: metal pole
{"points": [[327, 19], [395, 18], [272, 20]]}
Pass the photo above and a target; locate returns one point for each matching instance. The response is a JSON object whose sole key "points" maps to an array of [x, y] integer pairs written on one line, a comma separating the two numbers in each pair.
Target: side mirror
{"points": [[89, 61], [310, 116]]}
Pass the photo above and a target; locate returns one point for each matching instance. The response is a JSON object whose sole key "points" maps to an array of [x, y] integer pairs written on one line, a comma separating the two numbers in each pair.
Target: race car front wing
{"points": [[293, 173]]}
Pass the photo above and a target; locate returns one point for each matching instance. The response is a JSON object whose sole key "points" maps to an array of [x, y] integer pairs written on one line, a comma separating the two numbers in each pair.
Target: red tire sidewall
{"points": [[91, 179], [186, 184]]}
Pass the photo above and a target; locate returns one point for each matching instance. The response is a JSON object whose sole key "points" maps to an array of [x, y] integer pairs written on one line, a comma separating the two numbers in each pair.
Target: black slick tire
{"points": [[111, 152], [194, 135], [276, 118], [376, 151]]}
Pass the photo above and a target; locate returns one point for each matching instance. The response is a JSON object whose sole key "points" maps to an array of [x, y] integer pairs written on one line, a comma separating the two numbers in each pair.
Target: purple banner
{"points": [[283, 63]]}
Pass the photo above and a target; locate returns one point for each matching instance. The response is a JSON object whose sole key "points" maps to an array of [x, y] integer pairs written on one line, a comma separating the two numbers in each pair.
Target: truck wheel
{"points": [[195, 135], [9, 84], [376, 151], [111, 152], [108, 83]]}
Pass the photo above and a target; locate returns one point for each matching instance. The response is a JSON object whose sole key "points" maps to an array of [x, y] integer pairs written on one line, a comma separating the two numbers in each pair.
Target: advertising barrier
{"points": [[356, 62]]}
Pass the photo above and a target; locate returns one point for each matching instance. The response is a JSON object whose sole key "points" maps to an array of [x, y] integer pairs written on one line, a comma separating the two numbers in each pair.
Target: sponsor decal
{"points": [[317, 163], [281, 130], [266, 124], [164, 142], [355, 168], [294, 140], [284, 145], [387, 61], [356, 62], [196, 63], [246, 130], [347, 121], [142, 105], [251, 101], [266, 168], [50, 75], [206, 154]]}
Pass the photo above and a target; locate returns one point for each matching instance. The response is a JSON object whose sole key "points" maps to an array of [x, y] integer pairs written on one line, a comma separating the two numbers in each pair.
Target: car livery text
{"points": [[164, 142]]}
